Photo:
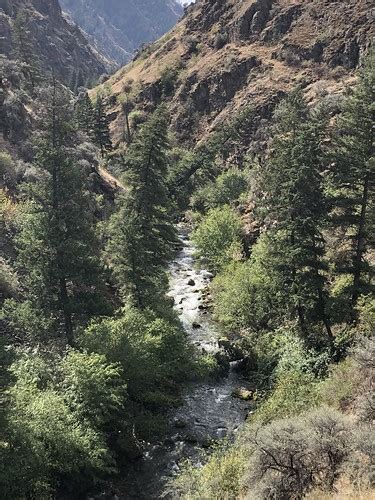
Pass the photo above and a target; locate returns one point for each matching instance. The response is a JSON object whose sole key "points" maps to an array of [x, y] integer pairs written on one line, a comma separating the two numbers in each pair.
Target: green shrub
{"points": [[366, 315], [294, 392], [153, 353], [168, 80], [218, 238], [47, 443], [7, 170], [9, 285], [225, 190], [246, 295], [221, 40], [220, 478], [94, 389], [338, 389]]}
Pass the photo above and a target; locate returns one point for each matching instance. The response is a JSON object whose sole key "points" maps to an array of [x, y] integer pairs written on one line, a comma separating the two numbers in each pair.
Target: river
{"points": [[209, 411]]}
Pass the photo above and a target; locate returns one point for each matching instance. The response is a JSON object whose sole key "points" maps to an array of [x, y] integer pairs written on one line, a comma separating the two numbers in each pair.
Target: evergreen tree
{"points": [[293, 207], [147, 170], [126, 105], [101, 127], [141, 233], [84, 111], [76, 81], [58, 251], [24, 50], [136, 277], [352, 178]]}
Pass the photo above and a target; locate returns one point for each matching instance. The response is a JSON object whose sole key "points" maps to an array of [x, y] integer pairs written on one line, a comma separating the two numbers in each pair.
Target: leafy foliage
{"points": [[218, 237]]}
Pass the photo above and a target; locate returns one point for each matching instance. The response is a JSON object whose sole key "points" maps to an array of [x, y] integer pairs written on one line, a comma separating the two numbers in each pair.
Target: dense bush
{"points": [[246, 294], [142, 344], [218, 238], [56, 421], [221, 40], [292, 456], [225, 190], [220, 478]]}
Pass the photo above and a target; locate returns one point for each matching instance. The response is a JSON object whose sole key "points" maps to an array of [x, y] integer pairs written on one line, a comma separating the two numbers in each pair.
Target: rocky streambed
{"points": [[209, 411]]}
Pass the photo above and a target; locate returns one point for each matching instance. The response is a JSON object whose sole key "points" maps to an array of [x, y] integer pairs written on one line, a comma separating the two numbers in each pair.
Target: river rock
{"points": [[242, 393], [196, 326], [221, 432], [224, 343], [198, 438], [182, 300], [191, 282], [223, 363], [179, 423]]}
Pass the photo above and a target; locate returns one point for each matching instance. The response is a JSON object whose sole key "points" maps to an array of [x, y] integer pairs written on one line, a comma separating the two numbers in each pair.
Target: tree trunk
{"points": [[64, 303], [321, 300], [128, 131]]}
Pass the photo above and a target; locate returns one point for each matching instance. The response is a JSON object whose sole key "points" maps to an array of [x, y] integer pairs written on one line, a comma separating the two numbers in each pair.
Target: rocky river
{"points": [[209, 411]]}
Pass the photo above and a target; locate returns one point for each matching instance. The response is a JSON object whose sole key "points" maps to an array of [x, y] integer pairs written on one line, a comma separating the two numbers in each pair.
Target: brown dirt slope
{"points": [[225, 55]]}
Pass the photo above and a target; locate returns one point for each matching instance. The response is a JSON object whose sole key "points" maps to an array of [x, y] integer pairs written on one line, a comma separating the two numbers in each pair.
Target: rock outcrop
{"points": [[225, 56], [57, 45]]}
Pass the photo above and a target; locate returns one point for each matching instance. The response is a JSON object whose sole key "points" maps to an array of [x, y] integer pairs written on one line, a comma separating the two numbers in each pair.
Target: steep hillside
{"points": [[119, 27], [226, 55], [55, 43]]}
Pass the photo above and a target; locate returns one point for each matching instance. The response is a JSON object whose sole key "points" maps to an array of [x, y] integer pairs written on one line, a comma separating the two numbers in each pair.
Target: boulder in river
{"points": [[191, 282], [224, 343], [196, 326], [242, 393], [198, 438], [223, 364], [179, 423]]}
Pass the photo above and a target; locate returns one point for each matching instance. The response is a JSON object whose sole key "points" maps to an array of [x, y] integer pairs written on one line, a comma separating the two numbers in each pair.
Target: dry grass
{"points": [[345, 493], [316, 22]]}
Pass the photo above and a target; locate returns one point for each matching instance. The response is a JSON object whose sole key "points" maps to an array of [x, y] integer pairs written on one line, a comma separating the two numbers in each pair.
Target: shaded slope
{"points": [[119, 27]]}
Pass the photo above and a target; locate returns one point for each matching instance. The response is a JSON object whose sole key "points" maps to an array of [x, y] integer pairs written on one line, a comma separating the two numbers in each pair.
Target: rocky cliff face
{"points": [[226, 55], [57, 45], [119, 27]]}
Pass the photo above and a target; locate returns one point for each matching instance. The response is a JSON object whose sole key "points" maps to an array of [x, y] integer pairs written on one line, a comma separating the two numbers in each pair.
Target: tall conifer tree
{"points": [[142, 235], [293, 207], [84, 112], [353, 177], [58, 251], [101, 126]]}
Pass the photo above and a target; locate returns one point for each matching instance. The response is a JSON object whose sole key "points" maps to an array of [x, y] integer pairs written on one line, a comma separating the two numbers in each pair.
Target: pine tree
{"points": [[147, 170], [293, 207], [24, 50], [58, 251], [352, 177], [135, 275], [126, 105], [142, 235], [84, 112], [101, 127], [76, 81]]}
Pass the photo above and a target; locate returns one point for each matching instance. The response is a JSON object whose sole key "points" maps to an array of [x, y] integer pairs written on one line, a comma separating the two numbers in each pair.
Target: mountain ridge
{"points": [[58, 45], [224, 56], [118, 28]]}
